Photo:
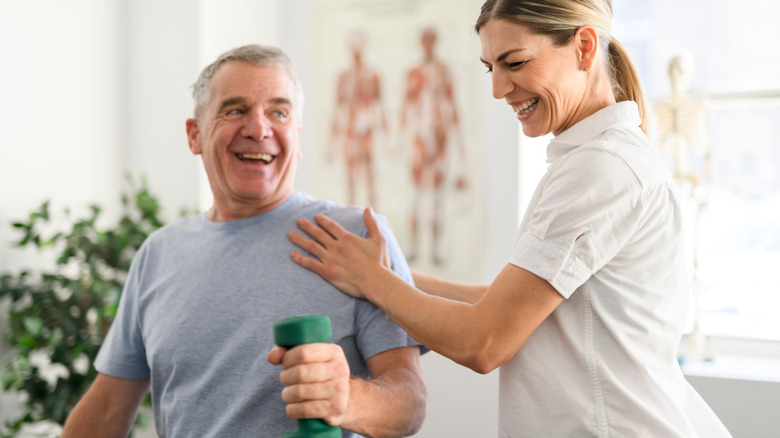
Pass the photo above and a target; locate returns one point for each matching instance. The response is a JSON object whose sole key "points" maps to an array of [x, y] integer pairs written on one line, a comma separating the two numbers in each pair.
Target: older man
{"points": [[195, 320]]}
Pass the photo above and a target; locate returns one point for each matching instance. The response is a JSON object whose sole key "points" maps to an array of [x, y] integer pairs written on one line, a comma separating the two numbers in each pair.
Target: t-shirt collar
{"points": [[621, 113]]}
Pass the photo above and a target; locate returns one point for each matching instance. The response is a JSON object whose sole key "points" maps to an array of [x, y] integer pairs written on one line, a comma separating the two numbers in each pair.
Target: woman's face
{"points": [[545, 85]]}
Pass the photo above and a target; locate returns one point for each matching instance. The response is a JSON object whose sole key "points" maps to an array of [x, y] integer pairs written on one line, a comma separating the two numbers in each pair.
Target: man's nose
{"points": [[257, 127]]}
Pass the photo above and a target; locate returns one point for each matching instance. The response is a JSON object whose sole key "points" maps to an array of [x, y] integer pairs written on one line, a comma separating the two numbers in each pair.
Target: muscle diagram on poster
{"points": [[397, 84]]}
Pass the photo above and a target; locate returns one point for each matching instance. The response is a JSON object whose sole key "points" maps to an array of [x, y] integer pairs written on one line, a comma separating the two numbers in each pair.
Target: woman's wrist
{"points": [[377, 284]]}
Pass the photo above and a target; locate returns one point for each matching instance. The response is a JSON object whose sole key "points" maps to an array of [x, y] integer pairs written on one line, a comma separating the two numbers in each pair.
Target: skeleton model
{"points": [[680, 119]]}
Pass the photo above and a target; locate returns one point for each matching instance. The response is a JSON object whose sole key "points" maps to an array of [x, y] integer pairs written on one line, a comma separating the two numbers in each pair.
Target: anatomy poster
{"points": [[398, 123]]}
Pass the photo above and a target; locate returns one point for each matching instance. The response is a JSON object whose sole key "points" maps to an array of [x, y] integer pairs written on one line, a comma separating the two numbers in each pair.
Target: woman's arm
{"points": [[482, 336], [465, 292]]}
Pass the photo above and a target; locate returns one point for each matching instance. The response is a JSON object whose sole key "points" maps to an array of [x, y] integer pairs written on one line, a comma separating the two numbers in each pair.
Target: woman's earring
{"points": [[584, 68]]}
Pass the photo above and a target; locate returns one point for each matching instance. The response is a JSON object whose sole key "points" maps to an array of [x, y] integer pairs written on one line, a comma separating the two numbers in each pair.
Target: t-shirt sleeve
{"points": [[376, 331], [586, 211], [122, 353]]}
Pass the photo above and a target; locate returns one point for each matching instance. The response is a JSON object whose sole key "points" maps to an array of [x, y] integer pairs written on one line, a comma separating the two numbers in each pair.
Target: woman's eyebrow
{"points": [[503, 56]]}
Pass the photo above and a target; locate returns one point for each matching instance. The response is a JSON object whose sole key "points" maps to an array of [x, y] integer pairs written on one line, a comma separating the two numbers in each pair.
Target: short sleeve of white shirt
{"points": [[584, 209]]}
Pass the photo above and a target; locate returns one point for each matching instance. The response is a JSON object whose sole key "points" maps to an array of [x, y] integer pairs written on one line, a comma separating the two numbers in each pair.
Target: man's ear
{"points": [[587, 42], [193, 136]]}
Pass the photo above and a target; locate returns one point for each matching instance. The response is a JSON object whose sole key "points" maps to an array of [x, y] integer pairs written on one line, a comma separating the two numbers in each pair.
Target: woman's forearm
{"points": [[446, 326], [481, 336], [465, 292]]}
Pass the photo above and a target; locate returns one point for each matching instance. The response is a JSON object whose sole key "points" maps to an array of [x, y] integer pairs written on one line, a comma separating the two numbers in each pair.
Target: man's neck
{"points": [[238, 211]]}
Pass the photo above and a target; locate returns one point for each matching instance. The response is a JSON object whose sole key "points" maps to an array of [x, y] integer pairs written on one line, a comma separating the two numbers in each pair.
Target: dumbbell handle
{"points": [[306, 329]]}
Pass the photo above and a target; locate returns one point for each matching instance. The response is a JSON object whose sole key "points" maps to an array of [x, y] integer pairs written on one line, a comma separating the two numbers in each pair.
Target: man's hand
{"points": [[317, 381]]}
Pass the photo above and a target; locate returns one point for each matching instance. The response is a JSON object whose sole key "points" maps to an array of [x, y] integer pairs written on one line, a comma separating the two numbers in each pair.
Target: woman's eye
{"points": [[516, 64], [489, 70]]}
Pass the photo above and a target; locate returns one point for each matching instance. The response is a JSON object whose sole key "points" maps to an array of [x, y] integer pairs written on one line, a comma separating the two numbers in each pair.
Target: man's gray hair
{"points": [[254, 54]]}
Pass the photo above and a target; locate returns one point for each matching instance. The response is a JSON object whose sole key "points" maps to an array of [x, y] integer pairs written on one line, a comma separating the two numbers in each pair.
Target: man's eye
{"points": [[235, 111], [279, 114]]}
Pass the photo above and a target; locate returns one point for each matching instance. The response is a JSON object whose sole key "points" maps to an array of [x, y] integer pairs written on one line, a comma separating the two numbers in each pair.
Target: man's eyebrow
{"points": [[503, 56], [238, 100], [231, 101], [281, 101]]}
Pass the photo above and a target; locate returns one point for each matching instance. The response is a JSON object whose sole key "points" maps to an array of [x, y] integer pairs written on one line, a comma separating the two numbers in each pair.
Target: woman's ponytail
{"points": [[626, 80]]}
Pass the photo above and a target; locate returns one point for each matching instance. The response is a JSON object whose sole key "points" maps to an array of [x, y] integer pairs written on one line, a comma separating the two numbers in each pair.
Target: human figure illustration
{"points": [[357, 119], [429, 115]]}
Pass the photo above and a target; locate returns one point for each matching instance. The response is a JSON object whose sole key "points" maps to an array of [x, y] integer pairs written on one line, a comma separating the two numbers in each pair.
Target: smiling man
{"points": [[195, 320]]}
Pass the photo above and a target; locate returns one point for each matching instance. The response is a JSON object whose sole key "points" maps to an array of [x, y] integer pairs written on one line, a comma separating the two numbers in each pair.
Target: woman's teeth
{"points": [[264, 157], [527, 107]]}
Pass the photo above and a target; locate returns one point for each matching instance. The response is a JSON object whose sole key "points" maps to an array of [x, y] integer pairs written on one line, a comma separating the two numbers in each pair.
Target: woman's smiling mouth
{"points": [[526, 107]]}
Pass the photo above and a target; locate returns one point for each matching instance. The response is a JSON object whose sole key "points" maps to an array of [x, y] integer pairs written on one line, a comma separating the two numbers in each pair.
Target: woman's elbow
{"points": [[486, 359], [483, 366]]}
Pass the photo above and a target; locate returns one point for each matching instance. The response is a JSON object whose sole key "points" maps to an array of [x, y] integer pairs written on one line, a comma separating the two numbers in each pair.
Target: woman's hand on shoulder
{"points": [[344, 259]]}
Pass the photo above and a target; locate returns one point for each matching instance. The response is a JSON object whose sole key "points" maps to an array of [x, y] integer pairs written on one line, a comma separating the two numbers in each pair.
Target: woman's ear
{"points": [[586, 42]]}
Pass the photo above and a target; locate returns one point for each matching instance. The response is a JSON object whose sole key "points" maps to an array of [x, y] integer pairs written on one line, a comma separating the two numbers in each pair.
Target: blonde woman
{"points": [[585, 318]]}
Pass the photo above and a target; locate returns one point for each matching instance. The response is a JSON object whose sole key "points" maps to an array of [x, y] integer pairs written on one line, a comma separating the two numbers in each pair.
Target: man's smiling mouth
{"points": [[266, 158]]}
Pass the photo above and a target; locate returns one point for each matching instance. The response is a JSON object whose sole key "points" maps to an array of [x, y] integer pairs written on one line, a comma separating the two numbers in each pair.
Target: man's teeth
{"points": [[265, 157], [527, 107]]}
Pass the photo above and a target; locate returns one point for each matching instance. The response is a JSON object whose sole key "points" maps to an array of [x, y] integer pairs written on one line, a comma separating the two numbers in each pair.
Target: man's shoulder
{"points": [[348, 216], [173, 230]]}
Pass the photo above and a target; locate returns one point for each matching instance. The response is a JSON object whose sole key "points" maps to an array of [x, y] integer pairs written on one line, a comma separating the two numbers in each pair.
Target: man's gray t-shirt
{"points": [[197, 315]]}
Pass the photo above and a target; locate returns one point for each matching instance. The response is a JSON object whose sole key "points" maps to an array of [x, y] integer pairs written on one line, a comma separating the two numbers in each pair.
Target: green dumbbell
{"points": [[306, 329]]}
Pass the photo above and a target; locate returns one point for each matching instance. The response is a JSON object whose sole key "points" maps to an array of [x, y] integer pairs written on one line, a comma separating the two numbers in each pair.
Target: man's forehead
{"points": [[237, 80]]}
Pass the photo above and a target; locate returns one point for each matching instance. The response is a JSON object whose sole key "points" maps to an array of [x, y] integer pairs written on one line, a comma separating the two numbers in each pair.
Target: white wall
{"points": [[60, 134], [91, 88]]}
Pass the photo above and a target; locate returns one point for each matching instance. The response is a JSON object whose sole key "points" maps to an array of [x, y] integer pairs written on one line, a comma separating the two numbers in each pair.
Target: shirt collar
{"points": [[621, 113]]}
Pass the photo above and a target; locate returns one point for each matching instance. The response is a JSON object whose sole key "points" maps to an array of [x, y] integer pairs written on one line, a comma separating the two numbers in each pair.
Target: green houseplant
{"points": [[59, 317]]}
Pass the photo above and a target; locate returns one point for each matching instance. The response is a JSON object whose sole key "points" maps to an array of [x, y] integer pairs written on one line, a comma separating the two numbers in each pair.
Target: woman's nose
{"points": [[501, 84], [257, 127]]}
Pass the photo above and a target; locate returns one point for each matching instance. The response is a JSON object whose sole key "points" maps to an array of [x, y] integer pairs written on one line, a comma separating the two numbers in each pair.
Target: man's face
{"points": [[249, 138]]}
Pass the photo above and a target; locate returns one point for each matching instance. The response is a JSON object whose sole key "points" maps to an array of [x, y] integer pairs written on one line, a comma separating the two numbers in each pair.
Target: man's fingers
{"points": [[317, 409], [310, 373], [311, 353], [276, 355]]}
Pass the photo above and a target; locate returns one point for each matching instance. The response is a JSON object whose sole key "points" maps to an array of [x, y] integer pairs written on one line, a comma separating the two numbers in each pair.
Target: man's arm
{"points": [[393, 402], [390, 404], [108, 409]]}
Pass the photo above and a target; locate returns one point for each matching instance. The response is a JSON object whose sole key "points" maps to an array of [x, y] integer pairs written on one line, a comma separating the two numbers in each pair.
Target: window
{"points": [[734, 199]]}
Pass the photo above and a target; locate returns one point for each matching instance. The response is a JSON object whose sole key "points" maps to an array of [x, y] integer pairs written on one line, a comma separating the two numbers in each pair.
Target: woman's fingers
{"points": [[375, 234], [371, 225], [333, 229], [312, 247], [317, 232]]}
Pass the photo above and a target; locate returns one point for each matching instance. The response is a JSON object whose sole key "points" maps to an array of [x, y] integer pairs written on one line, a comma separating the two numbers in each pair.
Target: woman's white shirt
{"points": [[604, 227]]}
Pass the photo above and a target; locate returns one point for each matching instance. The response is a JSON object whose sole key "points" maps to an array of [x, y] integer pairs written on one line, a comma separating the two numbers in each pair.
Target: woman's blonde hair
{"points": [[560, 20]]}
